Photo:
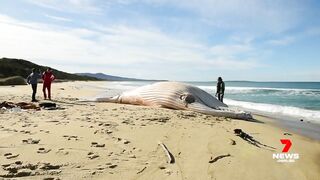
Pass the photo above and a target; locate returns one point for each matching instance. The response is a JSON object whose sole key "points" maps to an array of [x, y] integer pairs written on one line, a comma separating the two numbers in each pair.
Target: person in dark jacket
{"points": [[47, 78], [33, 80], [220, 89]]}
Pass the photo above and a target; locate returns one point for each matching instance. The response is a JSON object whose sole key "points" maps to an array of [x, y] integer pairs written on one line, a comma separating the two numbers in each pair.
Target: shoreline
{"points": [[306, 129]]}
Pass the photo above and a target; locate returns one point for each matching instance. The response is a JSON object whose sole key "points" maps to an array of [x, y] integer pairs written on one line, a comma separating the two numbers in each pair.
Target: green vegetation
{"points": [[14, 80], [13, 71]]}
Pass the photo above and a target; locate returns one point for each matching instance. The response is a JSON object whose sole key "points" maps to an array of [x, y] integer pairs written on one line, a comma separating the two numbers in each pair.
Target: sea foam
{"points": [[277, 110]]}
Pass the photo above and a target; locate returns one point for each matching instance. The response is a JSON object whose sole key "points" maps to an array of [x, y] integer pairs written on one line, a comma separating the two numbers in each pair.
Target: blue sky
{"points": [[167, 39]]}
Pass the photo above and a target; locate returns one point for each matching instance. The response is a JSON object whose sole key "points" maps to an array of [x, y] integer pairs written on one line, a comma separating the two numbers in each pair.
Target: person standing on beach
{"points": [[220, 89], [33, 80], [47, 78]]}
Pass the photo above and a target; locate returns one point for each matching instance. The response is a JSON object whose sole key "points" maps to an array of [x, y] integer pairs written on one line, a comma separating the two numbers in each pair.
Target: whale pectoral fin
{"points": [[225, 112], [108, 99]]}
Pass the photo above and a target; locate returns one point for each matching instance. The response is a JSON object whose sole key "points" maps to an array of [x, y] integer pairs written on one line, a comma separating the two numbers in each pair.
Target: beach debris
{"points": [[7, 154], [50, 106], [301, 120], [250, 139], [287, 134], [16, 110], [16, 107], [169, 155], [141, 170], [213, 160], [2, 110], [232, 142]]}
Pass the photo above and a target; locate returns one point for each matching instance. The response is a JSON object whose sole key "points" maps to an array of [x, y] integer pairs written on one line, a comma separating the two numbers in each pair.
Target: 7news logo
{"points": [[285, 156]]}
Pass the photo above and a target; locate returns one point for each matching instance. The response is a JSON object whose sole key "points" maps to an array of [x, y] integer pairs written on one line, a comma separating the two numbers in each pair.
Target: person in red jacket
{"points": [[47, 78]]}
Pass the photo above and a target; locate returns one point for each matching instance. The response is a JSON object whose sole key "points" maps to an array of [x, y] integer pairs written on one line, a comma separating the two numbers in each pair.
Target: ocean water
{"points": [[291, 100]]}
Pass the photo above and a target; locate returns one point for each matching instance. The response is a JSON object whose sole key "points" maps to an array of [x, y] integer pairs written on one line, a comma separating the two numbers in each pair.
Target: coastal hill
{"points": [[112, 78], [14, 72]]}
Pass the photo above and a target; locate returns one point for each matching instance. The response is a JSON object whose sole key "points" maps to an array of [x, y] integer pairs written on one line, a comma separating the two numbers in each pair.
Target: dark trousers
{"points": [[34, 91], [46, 86], [220, 97]]}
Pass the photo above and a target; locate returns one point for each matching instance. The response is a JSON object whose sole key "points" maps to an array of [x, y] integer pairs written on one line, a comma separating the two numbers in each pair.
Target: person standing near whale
{"points": [[33, 80], [220, 89], [47, 78]]}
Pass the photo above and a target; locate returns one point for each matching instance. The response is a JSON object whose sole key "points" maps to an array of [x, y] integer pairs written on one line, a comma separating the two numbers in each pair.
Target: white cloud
{"points": [[149, 49], [282, 41], [253, 16], [233, 49], [58, 18], [74, 6]]}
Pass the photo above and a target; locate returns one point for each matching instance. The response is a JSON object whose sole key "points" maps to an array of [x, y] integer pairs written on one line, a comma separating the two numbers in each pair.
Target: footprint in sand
{"points": [[71, 137], [20, 169], [124, 141], [10, 155], [62, 151], [92, 155], [112, 166], [31, 141], [25, 132], [45, 131], [95, 144], [43, 150], [26, 125]]}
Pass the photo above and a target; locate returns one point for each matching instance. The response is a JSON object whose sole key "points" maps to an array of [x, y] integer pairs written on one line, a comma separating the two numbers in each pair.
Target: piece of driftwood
{"points": [[218, 157], [141, 170], [170, 157], [233, 142]]}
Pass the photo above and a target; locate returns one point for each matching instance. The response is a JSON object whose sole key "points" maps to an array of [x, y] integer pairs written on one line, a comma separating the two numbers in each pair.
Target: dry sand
{"points": [[115, 141]]}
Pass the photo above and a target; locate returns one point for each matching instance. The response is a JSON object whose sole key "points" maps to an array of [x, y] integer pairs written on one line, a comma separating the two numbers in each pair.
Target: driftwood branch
{"points": [[167, 152], [218, 157], [141, 170]]}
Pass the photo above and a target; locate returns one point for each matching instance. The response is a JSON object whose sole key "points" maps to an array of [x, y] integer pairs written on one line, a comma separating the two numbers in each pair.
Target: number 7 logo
{"points": [[287, 146]]}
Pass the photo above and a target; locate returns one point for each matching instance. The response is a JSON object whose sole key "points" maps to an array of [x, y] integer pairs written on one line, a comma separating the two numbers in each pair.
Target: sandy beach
{"points": [[84, 140]]}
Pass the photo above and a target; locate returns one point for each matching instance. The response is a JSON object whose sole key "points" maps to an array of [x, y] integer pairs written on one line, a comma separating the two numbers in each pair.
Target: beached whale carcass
{"points": [[176, 95]]}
